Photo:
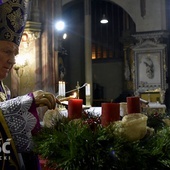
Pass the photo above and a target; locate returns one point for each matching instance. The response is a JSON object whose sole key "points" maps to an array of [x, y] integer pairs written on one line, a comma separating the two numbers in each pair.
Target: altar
{"points": [[93, 110], [156, 108]]}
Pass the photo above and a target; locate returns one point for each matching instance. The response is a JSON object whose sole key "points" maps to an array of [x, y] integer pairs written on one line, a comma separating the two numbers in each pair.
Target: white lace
{"points": [[19, 120]]}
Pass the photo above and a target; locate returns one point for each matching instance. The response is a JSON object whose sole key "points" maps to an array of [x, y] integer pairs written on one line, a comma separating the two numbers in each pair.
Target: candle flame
{"points": [[74, 95], [67, 98]]}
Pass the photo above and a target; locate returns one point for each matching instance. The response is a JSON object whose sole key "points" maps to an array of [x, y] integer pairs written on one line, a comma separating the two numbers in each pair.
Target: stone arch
{"points": [[154, 18]]}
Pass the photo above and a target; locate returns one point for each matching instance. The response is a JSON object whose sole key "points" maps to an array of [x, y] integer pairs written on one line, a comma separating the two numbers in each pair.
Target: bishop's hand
{"points": [[45, 99]]}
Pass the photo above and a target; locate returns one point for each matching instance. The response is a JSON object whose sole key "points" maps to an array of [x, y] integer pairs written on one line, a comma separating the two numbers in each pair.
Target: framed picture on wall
{"points": [[149, 69]]}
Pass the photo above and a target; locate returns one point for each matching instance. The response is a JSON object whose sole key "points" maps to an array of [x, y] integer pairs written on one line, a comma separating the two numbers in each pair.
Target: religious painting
{"points": [[149, 72], [149, 69]]}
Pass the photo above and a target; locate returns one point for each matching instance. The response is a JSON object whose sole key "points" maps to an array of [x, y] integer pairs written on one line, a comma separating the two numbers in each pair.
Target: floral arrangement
{"points": [[83, 144]]}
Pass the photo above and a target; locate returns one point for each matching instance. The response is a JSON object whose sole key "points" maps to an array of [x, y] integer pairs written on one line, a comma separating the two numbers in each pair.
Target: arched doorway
{"points": [[108, 44]]}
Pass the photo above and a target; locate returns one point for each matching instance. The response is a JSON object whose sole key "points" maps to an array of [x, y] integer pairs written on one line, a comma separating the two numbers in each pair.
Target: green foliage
{"points": [[73, 145]]}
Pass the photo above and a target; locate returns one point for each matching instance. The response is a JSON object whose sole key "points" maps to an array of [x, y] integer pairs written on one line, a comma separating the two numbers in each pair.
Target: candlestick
{"points": [[78, 88], [61, 88], [88, 97], [61, 93], [88, 90], [133, 104], [75, 108], [64, 89], [123, 109], [110, 113], [88, 101]]}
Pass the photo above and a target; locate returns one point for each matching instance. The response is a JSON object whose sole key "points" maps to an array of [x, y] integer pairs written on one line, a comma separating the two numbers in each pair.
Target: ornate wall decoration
{"points": [[149, 65]]}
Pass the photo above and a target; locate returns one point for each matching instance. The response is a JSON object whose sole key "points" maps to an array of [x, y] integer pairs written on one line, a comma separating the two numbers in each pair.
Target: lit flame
{"points": [[70, 97], [74, 95]]}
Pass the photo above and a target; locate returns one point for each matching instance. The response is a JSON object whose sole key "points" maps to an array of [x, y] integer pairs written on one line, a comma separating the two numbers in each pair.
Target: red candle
{"points": [[110, 113], [75, 108], [133, 104]]}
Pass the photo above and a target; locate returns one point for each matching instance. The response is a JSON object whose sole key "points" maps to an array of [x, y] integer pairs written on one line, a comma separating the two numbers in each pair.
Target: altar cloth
{"points": [[92, 110]]}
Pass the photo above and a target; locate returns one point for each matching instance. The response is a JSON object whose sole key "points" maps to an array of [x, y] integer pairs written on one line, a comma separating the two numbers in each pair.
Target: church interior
{"points": [[103, 55], [128, 56]]}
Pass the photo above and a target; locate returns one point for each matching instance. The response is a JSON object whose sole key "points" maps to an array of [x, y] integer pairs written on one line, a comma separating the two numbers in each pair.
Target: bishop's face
{"points": [[8, 51]]}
